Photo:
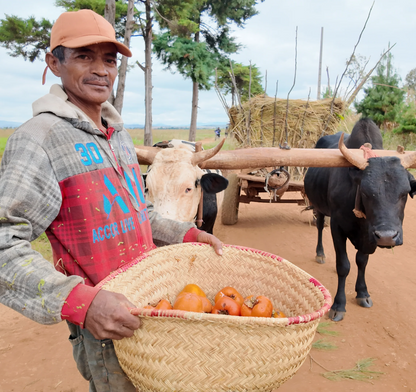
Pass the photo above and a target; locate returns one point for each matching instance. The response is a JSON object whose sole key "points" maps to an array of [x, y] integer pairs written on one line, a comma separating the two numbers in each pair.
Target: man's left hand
{"points": [[210, 239]]}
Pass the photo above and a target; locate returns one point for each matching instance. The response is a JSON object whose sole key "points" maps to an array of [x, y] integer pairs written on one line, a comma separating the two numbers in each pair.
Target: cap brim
{"points": [[96, 39]]}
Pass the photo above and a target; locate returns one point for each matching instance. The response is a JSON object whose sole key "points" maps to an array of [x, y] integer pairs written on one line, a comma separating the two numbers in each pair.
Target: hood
{"points": [[57, 102]]}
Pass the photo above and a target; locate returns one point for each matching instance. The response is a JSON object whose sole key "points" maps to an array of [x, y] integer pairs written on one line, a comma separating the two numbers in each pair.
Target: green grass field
{"points": [[158, 136], [207, 137], [3, 141]]}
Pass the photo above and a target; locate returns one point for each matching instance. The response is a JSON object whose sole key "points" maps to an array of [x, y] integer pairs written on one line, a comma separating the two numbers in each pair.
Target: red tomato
{"points": [[259, 306], [226, 305], [164, 304], [230, 292]]}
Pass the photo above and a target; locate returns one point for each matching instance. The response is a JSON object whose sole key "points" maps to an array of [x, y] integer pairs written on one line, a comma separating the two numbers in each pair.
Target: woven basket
{"points": [[186, 351]]}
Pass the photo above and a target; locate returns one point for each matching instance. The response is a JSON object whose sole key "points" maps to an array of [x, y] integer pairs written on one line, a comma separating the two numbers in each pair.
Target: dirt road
{"points": [[38, 359]]}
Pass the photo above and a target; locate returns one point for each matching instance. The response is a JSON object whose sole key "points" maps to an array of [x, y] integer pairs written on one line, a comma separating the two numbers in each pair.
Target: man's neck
{"points": [[93, 111]]}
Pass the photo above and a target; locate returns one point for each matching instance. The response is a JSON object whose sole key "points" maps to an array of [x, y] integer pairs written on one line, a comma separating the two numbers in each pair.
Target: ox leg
{"points": [[363, 298], [338, 310], [320, 221]]}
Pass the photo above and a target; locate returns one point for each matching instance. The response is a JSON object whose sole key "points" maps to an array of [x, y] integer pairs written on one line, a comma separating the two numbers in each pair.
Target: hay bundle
{"points": [[265, 117], [307, 121]]}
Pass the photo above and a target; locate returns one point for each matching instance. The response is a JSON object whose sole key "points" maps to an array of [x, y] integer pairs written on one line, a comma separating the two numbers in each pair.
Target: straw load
{"points": [[307, 121]]}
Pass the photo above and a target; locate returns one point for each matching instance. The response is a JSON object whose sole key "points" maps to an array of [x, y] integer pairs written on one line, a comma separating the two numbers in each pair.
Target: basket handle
{"points": [[141, 312]]}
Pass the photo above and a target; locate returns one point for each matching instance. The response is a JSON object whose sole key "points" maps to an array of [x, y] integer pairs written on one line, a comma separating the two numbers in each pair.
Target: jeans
{"points": [[97, 362]]}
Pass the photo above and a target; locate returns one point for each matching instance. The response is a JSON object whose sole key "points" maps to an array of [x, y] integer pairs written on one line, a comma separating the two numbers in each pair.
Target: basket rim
{"points": [[185, 315]]}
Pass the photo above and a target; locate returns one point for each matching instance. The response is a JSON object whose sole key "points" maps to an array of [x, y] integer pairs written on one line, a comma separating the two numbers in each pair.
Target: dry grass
{"points": [[323, 329], [43, 246], [323, 344], [272, 122], [360, 372], [305, 122]]}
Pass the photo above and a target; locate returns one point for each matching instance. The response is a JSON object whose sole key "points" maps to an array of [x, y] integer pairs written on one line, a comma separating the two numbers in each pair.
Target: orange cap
{"points": [[82, 28]]}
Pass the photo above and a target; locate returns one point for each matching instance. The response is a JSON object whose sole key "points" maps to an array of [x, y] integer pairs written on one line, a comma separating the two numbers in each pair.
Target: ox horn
{"points": [[146, 155], [201, 156], [408, 160], [360, 162]]}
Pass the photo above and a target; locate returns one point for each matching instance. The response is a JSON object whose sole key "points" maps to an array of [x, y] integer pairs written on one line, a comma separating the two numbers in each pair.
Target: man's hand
{"points": [[210, 239], [109, 317]]}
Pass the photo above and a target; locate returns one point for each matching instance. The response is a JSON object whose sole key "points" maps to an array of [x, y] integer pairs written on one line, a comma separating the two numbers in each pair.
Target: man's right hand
{"points": [[109, 317]]}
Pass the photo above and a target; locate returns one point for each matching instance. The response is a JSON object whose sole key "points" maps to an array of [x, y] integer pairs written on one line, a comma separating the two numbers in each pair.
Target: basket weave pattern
{"points": [[186, 351]]}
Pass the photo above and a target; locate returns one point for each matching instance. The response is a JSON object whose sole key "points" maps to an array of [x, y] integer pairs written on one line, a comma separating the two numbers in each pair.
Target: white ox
{"points": [[174, 183]]}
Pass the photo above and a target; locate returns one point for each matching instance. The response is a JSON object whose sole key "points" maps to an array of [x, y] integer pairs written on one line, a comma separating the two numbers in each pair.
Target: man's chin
{"points": [[99, 95]]}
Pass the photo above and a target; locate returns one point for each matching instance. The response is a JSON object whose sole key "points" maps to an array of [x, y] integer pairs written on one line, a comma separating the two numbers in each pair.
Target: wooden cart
{"points": [[245, 187], [249, 185]]}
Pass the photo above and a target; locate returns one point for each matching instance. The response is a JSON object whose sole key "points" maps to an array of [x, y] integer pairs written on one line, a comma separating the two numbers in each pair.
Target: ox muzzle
{"points": [[388, 238]]}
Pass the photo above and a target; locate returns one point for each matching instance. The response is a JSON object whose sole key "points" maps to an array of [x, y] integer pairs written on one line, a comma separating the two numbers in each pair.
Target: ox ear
{"points": [[146, 155], [412, 188], [213, 183], [412, 184]]}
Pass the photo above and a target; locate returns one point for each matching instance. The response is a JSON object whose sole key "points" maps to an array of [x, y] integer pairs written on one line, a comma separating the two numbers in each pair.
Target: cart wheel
{"points": [[229, 209]]}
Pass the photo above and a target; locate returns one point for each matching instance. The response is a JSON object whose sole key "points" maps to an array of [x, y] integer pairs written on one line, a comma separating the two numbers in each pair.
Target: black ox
{"points": [[365, 203]]}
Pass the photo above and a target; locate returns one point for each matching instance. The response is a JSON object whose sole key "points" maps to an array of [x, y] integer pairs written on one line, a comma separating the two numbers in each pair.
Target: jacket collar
{"points": [[57, 102]]}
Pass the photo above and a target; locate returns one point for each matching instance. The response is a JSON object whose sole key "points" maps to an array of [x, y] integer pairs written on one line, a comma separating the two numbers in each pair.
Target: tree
{"points": [[327, 93], [29, 38], [355, 73], [242, 80], [110, 11], [411, 85], [407, 119], [383, 99], [99, 6], [146, 27], [194, 48]]}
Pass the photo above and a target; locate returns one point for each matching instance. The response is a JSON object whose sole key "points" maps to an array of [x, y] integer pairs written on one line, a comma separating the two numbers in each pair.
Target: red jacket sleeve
{"points": [[192, 235], [76, 305]]}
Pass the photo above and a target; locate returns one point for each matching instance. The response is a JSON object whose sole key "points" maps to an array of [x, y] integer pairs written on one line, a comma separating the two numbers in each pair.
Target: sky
{"points": [[269, 42]]}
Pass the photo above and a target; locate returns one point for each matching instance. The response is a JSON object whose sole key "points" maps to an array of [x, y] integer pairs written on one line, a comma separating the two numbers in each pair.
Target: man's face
{"points": [[88, 73]]}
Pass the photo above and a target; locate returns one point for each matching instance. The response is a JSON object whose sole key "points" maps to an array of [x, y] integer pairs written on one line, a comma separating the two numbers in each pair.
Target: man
{"points": [[217, 133], [71, 171]]}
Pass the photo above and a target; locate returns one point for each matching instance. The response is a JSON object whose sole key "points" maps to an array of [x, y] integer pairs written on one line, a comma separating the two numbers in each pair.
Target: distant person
{"points": [[217, 133], [71, 171]]}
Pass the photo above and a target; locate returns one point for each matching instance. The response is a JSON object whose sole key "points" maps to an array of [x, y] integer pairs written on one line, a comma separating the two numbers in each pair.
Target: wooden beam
{"points": [[273, 156]]}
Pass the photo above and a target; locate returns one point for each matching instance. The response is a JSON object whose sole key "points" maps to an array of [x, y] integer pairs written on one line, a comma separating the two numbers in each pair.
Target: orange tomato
{"points": [[163, 304], [206, 304], [190, 302], [226, 305], [278, 314], [193, 288], [259, 306], [230, 292]]}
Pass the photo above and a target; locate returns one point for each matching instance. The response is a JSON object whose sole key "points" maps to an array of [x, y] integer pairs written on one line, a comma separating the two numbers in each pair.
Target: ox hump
{"points": [[173, 155]]}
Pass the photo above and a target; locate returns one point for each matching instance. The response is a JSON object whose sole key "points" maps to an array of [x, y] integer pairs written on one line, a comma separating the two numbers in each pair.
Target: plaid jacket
{"points": [[62, 175]]}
